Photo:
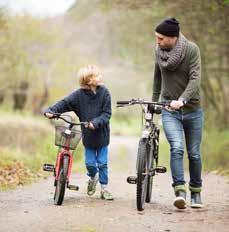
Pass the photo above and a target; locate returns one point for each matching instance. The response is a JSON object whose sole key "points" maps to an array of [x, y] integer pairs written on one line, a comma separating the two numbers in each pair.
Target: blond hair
{"points": [[85, 74]]}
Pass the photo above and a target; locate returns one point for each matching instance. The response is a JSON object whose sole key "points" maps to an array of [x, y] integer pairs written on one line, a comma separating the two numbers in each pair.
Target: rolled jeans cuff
{"points": [[179, 188], [195, 189]]}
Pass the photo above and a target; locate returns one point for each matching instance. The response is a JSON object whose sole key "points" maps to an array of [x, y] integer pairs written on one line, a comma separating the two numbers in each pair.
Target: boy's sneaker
{"points": [[91, 188], [180, 200], [106, 195], [196, 200]]}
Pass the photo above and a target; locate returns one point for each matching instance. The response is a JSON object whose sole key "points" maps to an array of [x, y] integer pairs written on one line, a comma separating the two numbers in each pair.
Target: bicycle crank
{"points": [[48, 167], [160, 169], [131, 179], [73, 187]]}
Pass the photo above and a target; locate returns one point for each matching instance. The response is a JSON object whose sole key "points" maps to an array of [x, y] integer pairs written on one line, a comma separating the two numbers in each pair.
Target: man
{"points": [[177, 79]]}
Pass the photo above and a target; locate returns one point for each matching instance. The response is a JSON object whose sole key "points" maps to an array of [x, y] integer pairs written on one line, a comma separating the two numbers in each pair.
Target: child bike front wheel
{"points": [[61, 182]]}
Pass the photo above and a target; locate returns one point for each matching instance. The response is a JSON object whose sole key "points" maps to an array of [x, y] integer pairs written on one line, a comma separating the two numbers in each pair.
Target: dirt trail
{"points": [[31, 208]]}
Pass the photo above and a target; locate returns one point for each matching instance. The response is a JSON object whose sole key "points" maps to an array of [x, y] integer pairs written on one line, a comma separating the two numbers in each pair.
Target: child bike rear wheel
{"points": [[61, 182], [142, 177]]}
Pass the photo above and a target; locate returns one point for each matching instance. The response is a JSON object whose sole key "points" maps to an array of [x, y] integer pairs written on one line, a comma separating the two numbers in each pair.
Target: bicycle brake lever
{"points": [[120, 105], [134, 100], [166, 103], [86, 124], [57, 116]]}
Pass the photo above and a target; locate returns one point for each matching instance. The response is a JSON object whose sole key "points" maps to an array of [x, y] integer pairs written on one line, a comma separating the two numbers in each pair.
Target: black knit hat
{"points": [[168, 27]]}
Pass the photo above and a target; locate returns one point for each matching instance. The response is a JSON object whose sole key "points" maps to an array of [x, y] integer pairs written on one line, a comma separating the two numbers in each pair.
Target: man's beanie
{"points": [[168, 27]]}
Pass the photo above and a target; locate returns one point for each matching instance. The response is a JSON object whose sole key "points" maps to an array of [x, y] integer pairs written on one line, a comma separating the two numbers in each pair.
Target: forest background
{"points": [[40, 58]]}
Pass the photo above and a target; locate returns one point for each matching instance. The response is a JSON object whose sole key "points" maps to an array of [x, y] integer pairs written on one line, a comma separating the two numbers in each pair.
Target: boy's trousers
{"points": [[96, 161]]}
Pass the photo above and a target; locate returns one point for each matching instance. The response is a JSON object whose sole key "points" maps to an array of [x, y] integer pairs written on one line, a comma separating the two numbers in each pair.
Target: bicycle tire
{"points": [[150, 178], [61, 182], [141, 177]]}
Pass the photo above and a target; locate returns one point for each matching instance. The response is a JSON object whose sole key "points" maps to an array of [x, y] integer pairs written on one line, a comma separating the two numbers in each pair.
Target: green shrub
{"points": [[215, 150]]}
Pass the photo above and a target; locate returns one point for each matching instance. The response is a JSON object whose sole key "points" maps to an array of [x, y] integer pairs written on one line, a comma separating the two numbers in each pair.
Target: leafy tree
{"points": [[206, 22], [24, 50]]}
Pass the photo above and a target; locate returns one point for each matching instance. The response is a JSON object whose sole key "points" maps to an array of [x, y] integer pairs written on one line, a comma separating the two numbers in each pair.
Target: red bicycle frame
{"points": [[59, 160]]}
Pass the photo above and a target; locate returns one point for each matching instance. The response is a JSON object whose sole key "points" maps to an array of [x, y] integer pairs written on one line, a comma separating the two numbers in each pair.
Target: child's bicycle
{"points": [[148, 150], [67, 138]]}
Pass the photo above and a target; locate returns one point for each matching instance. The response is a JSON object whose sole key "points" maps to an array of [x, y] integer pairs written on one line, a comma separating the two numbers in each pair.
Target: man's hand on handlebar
{"points": [[176, 105]]}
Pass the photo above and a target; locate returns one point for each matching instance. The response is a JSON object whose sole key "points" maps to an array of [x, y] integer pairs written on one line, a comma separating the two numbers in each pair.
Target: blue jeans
{"points": [[177, 126], [96, 161]]}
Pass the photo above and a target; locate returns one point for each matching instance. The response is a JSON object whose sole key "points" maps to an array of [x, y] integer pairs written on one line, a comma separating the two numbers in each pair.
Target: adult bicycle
{"points": [[148, 150], [67, 139]]}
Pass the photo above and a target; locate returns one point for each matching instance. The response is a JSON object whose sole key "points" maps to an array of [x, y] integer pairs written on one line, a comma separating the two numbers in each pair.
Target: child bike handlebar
{"points": [[58, 116]]}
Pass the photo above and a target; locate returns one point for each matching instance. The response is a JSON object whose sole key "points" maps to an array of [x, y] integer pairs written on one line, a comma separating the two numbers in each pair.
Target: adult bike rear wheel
{"points": [[150, 177], [61, 182], [142, 178]]}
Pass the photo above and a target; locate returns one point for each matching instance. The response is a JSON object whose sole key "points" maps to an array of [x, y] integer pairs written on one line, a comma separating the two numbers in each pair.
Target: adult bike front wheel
{"points": [[61, 182], [142, 177], [151, 172]]}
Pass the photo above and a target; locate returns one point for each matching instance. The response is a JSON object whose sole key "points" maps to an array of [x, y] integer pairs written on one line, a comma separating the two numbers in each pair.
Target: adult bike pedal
{"points": [[148, 150], [67, 139]]}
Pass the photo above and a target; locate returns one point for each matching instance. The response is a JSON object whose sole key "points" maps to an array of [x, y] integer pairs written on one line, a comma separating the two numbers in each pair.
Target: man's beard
{"points": [[166, 48]]}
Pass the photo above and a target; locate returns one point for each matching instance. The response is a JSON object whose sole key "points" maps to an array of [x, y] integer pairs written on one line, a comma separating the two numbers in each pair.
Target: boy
{"points": [[91, 103]]}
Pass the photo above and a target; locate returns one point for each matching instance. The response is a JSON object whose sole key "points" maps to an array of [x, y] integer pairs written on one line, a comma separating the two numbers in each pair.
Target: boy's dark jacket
{"points": [[89, 106]]}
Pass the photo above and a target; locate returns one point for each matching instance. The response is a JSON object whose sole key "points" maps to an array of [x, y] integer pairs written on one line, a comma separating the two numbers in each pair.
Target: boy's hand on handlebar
{"points": [[49, 115], [91, 126]]}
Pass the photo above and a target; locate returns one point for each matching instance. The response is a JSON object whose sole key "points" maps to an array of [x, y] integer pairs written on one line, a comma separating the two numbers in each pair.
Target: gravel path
{"points": [[31, 208]]}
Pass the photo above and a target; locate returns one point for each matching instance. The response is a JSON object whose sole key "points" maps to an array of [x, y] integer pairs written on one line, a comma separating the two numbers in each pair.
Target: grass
{"points": [[215, 150], [87, 229], [129, 126], [78, 160], [164, 154], [120, 164], [28, 143]]}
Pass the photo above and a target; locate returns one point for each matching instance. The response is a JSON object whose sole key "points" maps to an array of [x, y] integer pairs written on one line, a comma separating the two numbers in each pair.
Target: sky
{"points": [[39, 8]]}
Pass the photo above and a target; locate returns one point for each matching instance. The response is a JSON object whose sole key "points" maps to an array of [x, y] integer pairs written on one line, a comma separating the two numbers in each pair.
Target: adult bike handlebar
{"points": [[139, 101]]}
